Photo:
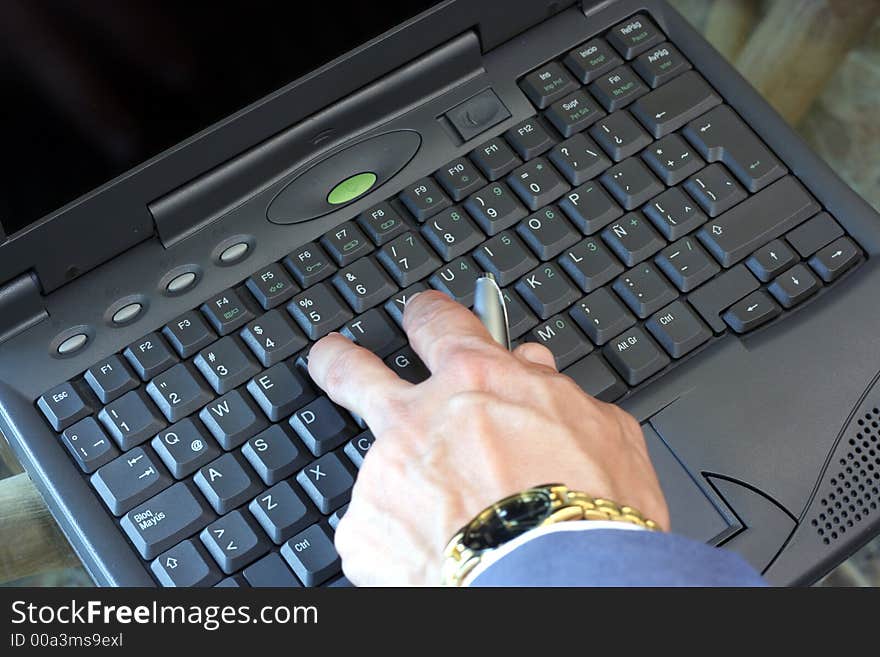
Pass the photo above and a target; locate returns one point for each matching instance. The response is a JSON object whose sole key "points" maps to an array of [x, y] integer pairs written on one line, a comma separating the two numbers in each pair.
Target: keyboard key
{"points": [[227, 482], [129, 480], [560, 335], [644, 289], [589, 207], [678, 329], [686, 264], [836, 258], [547, 84], [495, 158], [722, 292], [346, 243], [750, 313], [65, 404], [178, 392], [274, 454], [595, 378], [590, 265], [519, 318], [424, 199], [339, 582], [318, 311], [89, 445], [226, 364], [620, 135], [459, 178], [408, 259], [574, 113], [537, 183], [813, 234], [757, 220], [188, 333], [356, 449], [110, 378], [273, 337], [309, 264], [457, 280], [673, 159], [327, 482], [547, 233], [336, 516], [149, 356], [171, 516], [771, 260], [505, 257], [495, 208], [234, 541], [579, 159], [618, 88], [529, 138], [452, 233], [382, 223], [227, 312], [271, 286], [407, 365], [233, 582], [232, 419], [364, 284], [632, 239], [323, 426], [312, 555], [131, 419], [591, 59], [631, 183], [184, 447], [374, 331], [270, 572], [672, 105], [397, 303], [280, 390], [715, 189], [282, 512], [601, 315], [634, 35], [547, 290], [660, 64], [794, 286], [674, 214], [185, 565], [635, 356]]}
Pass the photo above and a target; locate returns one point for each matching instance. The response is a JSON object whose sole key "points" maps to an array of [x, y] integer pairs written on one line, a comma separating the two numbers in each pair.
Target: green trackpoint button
{"points": [[350, 188]]}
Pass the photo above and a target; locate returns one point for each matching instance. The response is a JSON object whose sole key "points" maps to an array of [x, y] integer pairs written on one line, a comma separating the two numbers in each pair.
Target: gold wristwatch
{"points": [[517, 514]]}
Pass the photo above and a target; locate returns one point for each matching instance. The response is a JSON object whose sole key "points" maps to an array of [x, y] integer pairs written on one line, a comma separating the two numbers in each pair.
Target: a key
{"points": [[424, 199], [397, 303], [336, 516], [574, 113], [280, 390], [596, 378], [632, 239], [495, 158], [110, 378], [356, 449], [794, 286], [750, 313], [813, 234], [178, 392], [678, 329], [452, 233], [686, 264], [274, 454], [519, 318], [270, 572], [547, 290], [408, 259], [184, 447], [620, 135], [715, 189], [185, 565], [364, 284], [495, 208], [601, 315], [631, 183], [131, 419], [771, 260], [457, 280], [226, 364], [227, 482], [644, 289], [407, 365], [537, 183], [547, 84], [282, 512], [234, 541], [634, 35], [129, 480], [323, 426], [529, 138], [319, 310], [382, 223], [163, 521], [346, 243], [312, 555], [591, 59], [590, 265], [374, 331], [188, 333], [672, 105], [459, 178], [835, 259], [673, 159], [149, 356], [562, 337], [327, 482], [309, 264], [674, 213], [271, 286], [273, 337], [233, 418], [579, 159], [65, 404], [227, 312], [89, 445], [618, 88], [660, 64], [722, 292], [590, 207], [757, 220], [635, 356], [721, 136], [547, 233]]}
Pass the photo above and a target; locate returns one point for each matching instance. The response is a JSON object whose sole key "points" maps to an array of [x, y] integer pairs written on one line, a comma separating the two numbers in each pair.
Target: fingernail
{"points": [[412, 297]]}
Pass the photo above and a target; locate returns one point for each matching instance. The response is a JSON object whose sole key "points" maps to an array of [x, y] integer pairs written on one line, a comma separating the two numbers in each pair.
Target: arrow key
{"points": [[751, 312], [186, 564], [794, 286], [234, 541], [835, 259], [770, 260]]}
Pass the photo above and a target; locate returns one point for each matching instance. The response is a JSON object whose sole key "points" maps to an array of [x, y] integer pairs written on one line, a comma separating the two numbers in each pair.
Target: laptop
{"points": [[188, 205]]}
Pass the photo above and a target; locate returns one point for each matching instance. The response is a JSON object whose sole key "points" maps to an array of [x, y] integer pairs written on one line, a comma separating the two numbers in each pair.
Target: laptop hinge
{"points": [[21, 305]]}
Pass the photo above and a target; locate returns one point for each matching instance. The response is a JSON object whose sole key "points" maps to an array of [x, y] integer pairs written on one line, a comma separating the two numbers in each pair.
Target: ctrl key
{"points": [[312, 555]]}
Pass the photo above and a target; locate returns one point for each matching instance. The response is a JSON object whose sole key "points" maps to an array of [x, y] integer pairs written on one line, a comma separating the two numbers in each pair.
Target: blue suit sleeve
{"points": [[609, 557]]}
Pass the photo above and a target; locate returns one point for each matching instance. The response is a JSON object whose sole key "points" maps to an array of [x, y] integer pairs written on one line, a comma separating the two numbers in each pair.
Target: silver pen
{"points": [[489, 306]]}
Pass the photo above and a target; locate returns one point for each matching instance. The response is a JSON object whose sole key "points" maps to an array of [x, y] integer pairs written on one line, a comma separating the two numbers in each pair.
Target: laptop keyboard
{"points": [[632, 220]]}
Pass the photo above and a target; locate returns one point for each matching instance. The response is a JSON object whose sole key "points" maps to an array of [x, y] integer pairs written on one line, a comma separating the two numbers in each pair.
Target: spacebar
{"points": [[757, 220]]}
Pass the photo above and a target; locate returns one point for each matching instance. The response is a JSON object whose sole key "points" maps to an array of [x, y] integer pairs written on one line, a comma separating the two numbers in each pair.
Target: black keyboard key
{"points": [[635, 356], [771, 260], [757, 220], [407, 365], [65, 404], [678, 329], [547, 84], [336, 516], [590, 265], [813, 234], [271, 286], [129, 480], [226, 364], [110, 378], [601, 315], [715, 189], [537, 183], [505, 257], [356, 449], [644, 289], [274, 454], [312, 555], [346, 243], [591, 59], [327, 481], [171, 516], [495, 208], [529, 138], [323, 426], [750, 313], [579, 159], [452, 233], [595, 378], [273, 337], [227, 482], [574, 113], [227, 312], [374, 331], [282, 512], [424, 199], [835, 259], [547, 290], [722, 292], [674, 214], [309, 264], [233, 418], [632, 239], [131, 419], [270, 572], [319, 310], [149, 356], [794, 286], [460, 178], [234, 541], [382, 223], [188, 333], [495, 158], [233, 582], [89, 445], [364, 284], [590, 207], [562, 337], [660, 64], [457, 280], [634, 35], [519, 318], [673, 159], [618, 88], [671, 106], [178, 392], [185, 565], [408, 259], [397, 303], [686, 264], [280, 390], [620, 135], [547, 233], [184, 447], [631, 183], [721, 136]]}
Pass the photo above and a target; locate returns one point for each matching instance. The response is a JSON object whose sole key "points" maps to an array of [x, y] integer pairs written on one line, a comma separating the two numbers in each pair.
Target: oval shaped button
{"points": [[180, 283], [127, 313], [350, 188], [72, 344], [234, 252]]}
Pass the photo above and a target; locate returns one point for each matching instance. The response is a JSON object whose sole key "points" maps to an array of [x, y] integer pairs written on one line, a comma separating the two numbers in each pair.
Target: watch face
{"points": [[507, 520]]}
